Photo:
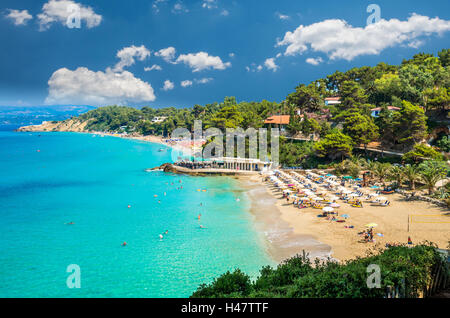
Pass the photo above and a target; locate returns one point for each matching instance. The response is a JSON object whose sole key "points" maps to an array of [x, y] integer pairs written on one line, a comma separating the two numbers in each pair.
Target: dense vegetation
{"points": [[419, 87], [409, 269]]}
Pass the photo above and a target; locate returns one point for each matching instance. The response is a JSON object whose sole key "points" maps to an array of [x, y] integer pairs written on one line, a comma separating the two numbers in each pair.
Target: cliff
{"points": [[72, 125]]}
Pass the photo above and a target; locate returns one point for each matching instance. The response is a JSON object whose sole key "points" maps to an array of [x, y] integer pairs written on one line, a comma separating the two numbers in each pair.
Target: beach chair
{"points": [[385, 203]]}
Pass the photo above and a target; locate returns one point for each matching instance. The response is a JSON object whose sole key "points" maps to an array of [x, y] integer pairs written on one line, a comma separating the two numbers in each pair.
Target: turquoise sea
{"points": [[51, 179]]}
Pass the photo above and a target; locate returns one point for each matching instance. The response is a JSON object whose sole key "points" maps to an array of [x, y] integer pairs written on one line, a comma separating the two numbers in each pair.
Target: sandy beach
{"points": [[289, 230]]}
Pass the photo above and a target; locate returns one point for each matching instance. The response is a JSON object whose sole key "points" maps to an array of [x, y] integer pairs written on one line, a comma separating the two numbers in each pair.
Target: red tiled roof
{"points": [[278, 119], [332, 98], [389, 108]]}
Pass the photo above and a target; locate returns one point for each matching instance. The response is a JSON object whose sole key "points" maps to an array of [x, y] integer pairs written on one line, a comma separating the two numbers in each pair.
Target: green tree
{"points": [[305, 98], [431, 172], [382, 171], [334, 145], [412, 174], [421, 152], [360, 128], [410, 124], [444, 143]]}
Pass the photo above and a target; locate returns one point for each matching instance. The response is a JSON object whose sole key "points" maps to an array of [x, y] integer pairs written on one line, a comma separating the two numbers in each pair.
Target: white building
{"points": [[159, 119]]}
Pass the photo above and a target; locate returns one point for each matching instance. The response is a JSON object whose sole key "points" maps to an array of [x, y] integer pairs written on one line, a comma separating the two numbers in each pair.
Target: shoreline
{"points": [[282, 241]]}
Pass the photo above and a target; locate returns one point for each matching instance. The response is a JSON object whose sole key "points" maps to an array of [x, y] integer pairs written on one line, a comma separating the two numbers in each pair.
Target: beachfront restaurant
{"points": [[246, 164], [228, 163]]}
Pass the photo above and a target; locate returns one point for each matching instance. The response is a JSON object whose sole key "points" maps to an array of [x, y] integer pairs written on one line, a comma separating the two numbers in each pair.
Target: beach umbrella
{"points": [[334, 205], [382, 199], [318, 199], [346, 216], [353, 195], [371, 225], [374, 194], [327, 209]]}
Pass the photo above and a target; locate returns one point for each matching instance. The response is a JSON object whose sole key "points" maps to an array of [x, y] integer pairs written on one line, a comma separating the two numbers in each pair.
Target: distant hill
{"points": [[12, 117]]}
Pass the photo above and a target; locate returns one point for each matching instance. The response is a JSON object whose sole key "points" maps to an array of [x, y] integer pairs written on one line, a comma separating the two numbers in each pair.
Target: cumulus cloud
{"points": [[270, 64], [62, 10], [186, 83], [83, 86], [224, 13], [167, 54], [339, 40], [154, 67], [202, 61], [314, 61], [168, 85], [127, 56], [19, 17]]}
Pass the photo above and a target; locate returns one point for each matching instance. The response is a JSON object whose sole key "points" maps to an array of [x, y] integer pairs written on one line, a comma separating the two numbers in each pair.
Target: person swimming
{"points": [[70, 223], [199, 216], [160, 236], [166, 232], [124, 244]]}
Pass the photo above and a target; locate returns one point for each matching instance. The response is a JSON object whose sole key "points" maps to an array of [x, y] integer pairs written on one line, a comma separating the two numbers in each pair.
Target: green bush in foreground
{"points": [[407, 268]]}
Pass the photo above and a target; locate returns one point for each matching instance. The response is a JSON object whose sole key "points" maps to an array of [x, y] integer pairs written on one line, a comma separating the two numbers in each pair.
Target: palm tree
{"points": [[382, 171], [396, 174], [412, 175], [431, 172]]}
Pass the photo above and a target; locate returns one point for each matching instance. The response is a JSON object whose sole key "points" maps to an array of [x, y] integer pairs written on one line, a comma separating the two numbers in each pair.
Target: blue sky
{"points": [[220, 47]]}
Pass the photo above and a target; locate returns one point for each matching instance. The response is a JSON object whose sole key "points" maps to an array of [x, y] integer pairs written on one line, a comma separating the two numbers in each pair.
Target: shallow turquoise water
{"points": [[91, 181]]}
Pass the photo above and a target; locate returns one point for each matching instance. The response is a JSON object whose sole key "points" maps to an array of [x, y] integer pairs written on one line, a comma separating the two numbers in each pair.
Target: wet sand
{"points": [[282, 240], [289, 230]]}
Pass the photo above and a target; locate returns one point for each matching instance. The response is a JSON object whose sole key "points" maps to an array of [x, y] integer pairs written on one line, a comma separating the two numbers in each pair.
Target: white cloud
{"points": [[202, 61], [314, 61], [209, 4], [153, 67], [339, 40], [254, 68], [167, 54], [156, 3], [83, 86], [204, 80], [127, 55], [179, 7], [225, 13], [416, 44], [231, 55], [270, 64], [168, 85], [186, 83], [60, 11], [278, 55], [19, 17], [283, 16]]}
